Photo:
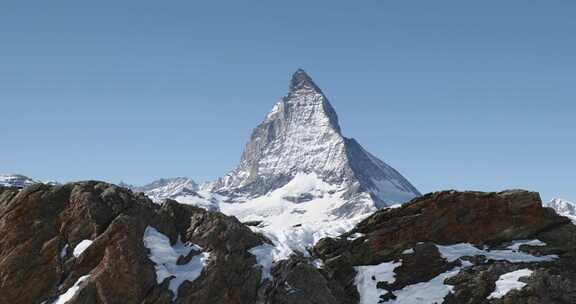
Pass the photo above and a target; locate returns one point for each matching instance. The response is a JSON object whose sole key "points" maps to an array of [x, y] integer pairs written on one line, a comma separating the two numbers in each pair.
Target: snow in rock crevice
{"points": [[435, 290], [81, 247], [71, 292], [165, 257], [264, 258], [508, 282], [454, 252], [367, 278]]}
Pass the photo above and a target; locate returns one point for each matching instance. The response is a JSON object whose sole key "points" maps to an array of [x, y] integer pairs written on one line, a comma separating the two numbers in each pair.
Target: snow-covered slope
{"points": [[564, 207], [297, 215], [302, 135], [16, 180]]}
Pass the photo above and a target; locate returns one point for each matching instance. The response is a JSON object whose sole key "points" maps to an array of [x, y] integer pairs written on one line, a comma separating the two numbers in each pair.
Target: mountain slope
{"points": [[302, 135]]}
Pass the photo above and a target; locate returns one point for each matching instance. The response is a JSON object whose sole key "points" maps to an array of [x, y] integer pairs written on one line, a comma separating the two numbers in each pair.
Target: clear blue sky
{"points": [[454, 94]]}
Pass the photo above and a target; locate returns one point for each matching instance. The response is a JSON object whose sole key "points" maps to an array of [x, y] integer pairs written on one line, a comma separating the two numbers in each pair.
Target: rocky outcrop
{"points": [[92, 242], [483, 227], [42, 228], [460, 217]]}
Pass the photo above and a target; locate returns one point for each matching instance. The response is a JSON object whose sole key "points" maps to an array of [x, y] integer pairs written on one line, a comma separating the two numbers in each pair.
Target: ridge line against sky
{"points": [[457, 95]]}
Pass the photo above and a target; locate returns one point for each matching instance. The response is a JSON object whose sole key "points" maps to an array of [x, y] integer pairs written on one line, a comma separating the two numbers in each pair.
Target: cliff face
{"points": [[92, 242]]}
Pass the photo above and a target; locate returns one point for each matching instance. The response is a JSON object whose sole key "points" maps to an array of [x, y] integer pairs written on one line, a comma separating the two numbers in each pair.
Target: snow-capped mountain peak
{"points": [[302, 135], [16, 180], [183, 189], [564, 207], [164, 188], [299, 179]]}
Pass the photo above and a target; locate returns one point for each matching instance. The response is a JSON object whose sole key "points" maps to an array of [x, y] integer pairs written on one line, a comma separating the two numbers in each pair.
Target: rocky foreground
{"points": [[93, 242]]}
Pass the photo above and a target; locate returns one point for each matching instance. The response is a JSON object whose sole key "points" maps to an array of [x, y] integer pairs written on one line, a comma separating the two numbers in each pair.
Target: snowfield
{"points": [[297, 226]]}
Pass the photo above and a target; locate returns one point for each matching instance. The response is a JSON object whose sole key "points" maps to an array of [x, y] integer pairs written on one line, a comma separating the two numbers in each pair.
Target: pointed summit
{"points": [[301, 81], [305, 104]]}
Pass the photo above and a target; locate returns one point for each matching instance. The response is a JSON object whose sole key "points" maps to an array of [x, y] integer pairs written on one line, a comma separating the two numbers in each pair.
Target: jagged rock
{"points": [[41, 226], [422, 265], [409, 235], [545, 285], [297, 281]]}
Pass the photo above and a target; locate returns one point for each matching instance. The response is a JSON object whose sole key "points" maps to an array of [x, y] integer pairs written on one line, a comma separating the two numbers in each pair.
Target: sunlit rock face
{"points": [[302, 135]]}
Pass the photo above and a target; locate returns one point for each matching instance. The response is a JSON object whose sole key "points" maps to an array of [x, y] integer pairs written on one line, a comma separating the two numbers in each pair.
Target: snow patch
{"points": [[429, 292], [265, 258], [318, 263], [408, 251], [71, 292], [454, 252], [165, 258], [508, 282], [367, 278], [81, 247], [516, 244], [355, 236], [64, 252]]}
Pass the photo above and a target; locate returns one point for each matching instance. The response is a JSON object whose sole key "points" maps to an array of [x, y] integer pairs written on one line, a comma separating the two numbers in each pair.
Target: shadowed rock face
{"points": [[460, 217], [41, 226]]}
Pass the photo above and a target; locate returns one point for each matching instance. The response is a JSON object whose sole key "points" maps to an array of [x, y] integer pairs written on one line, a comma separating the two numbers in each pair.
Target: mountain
{"points": [[564, 208], [93, 242], [301, 135], [183, 189], [299, 179], [164, 188], [16, 180]]}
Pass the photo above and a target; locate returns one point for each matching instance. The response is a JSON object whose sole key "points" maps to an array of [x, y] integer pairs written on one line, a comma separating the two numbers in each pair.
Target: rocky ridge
{"points": [[92, 242]]}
